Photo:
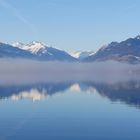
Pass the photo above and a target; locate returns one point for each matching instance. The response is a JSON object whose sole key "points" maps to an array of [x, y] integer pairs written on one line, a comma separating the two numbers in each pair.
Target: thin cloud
{"points": [[16, 13]]}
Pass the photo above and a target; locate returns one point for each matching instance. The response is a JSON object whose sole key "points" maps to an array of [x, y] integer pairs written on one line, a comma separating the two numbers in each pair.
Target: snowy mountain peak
{"points": [[18, 45], [82, 54], [36, 43], [76, 54], [34, 47]]}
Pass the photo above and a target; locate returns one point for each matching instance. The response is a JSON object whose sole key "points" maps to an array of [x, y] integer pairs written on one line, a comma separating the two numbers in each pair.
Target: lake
{"points": [[72, 110]]}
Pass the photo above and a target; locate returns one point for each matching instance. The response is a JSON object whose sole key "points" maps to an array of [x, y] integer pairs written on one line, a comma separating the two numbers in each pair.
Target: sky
{"points": [[71, 25]]}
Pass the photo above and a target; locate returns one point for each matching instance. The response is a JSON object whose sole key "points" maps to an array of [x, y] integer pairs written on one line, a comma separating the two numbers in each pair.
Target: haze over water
{"points": [[39, 103]]}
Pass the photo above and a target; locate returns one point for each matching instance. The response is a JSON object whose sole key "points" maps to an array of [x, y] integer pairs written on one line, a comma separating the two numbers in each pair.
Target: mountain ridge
{"points": [[127, 51], [34, 50]]}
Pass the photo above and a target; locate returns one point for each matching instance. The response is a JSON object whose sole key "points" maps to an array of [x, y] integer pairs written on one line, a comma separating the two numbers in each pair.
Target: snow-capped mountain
{"points": [[125, 51], [18, 45], [82, 54], [8, 51], [34, 50], [33, 47]]}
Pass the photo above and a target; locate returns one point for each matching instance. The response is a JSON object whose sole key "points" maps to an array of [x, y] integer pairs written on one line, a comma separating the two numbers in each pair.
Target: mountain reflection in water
{"points": [[125, 92]]}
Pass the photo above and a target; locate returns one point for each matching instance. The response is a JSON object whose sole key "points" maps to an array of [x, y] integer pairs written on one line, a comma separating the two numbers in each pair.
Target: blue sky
{"points": [[69, 24]]}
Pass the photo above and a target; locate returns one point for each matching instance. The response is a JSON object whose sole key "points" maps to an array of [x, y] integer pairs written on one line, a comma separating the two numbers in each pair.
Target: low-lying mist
{"points": [[13, 71]]}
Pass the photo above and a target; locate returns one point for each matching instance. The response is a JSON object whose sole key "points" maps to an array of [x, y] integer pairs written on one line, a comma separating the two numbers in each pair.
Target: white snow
{"points": [[34, 47], [82, 54], [18, 44]]}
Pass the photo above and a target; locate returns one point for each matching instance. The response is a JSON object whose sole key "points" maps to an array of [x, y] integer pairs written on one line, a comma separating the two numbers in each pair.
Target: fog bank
{"points": [[26, 71]]}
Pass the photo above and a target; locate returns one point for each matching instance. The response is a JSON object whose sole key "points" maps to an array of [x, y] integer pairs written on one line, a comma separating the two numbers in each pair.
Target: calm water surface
{"points": [[70, 111]]}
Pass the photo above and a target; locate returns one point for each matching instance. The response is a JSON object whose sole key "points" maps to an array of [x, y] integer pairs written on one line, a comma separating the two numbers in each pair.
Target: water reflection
{"points": [[126, 92], [33, 92]]}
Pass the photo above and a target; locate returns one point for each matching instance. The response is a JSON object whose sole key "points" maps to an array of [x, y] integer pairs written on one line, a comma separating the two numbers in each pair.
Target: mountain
{"points": [[34, 50], [34, 47], [125, 51], [8, 51], [18, 45], [82, 54]]}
